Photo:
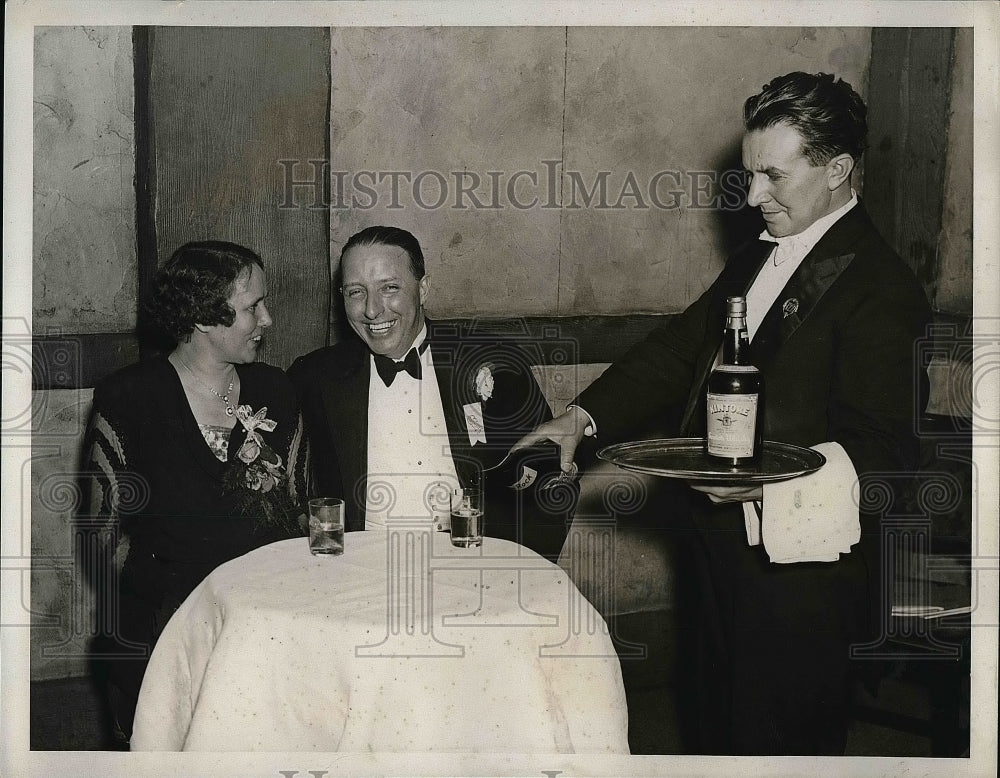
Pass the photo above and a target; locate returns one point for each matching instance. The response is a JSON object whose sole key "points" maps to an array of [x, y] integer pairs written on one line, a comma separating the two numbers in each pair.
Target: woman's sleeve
{"points": [[107, 481]]}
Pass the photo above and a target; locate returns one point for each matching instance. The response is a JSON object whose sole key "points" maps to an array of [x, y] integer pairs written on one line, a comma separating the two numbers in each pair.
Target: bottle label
{"points": [[732, 424]]}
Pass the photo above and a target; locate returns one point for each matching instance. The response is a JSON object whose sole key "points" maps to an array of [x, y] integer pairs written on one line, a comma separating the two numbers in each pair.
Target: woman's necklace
{"points": [[230, 408]]}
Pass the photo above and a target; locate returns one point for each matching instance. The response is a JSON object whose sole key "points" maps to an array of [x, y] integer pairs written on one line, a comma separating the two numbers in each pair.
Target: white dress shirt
{"points": [[410, 467], [812, 518]]}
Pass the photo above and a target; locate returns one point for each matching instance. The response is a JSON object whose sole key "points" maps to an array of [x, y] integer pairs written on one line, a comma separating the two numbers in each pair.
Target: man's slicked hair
{"points": [[389, 236], [827, 112]]}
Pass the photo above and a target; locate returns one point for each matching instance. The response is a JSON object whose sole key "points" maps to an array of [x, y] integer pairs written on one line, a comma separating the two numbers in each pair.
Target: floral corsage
{"points": [[258, 475], [482, 381]]}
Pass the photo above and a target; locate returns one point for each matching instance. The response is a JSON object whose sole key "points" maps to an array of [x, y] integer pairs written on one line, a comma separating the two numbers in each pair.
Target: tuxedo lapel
{"points": [[345, 405], [444, 374], [831, 255], [734, 280], [737, 276], [804, 289], [444, 354]]}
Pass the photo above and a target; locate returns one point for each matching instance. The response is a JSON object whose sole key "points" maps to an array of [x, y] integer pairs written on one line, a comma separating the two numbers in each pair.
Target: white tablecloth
{"points": [[403, 643]]}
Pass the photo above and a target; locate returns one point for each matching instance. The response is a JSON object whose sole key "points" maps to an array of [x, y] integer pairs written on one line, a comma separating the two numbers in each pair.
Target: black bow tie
{"points": [[388, 368]]}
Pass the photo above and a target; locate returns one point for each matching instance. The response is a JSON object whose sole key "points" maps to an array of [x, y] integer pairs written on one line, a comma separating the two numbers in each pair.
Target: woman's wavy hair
{"points": [[194, 285], [827, 112]]}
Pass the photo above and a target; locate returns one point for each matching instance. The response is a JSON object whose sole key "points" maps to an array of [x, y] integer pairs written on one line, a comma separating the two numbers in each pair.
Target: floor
{"points": [[64, 716], [894, 722], [655, 724]]}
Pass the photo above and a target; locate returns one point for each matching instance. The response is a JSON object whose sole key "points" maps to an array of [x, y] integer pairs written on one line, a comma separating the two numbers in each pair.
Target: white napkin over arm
{"points": [[812, 518]]}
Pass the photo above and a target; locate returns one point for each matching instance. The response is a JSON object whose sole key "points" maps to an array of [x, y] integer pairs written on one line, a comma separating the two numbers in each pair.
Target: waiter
{"points": [[787, 574]]}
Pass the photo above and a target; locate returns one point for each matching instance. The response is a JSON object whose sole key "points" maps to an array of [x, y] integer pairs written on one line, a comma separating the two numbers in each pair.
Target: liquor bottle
{"points": [[735, 391]]}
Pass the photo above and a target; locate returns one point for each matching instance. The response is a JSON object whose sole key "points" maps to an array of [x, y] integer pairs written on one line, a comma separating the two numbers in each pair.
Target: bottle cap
{"points": [[737, 306]]}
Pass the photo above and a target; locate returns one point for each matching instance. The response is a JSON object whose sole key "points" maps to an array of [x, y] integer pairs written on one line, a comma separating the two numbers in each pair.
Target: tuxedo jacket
{"points": [[332, 384], [837, 350]]}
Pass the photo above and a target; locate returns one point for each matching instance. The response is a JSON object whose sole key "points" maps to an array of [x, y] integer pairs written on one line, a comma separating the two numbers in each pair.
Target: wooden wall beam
{"points": [[235, 114], [909, 99]]}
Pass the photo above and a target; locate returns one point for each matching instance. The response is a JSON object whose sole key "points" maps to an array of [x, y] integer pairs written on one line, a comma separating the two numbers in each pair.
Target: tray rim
{"points": [[732, 477]]}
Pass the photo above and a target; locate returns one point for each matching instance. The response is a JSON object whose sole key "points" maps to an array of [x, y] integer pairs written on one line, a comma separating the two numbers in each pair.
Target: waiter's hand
{"points": [[718, 493], [566, 430]]}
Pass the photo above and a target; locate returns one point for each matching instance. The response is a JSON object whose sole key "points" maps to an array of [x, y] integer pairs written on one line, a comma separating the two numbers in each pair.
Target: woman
{"points": [[195, 454]]}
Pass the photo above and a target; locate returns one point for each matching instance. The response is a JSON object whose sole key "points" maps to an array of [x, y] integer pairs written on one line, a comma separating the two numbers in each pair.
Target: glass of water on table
{"points": [[467, 517], [326, 525]]}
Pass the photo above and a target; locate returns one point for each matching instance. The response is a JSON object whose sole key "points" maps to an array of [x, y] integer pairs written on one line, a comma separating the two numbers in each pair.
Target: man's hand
{"points": [[566, 430], [719, 494]]}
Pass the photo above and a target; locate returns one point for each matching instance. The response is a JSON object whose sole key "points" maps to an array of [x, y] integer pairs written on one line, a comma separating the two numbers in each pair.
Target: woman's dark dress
{"points": [[155, 477]]}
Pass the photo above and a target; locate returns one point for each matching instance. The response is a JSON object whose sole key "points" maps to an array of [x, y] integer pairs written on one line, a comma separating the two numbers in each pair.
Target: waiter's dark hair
{"points": [[828, 113], [389, 236]]}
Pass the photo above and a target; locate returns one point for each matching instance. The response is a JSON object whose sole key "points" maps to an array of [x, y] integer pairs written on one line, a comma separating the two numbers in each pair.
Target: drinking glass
{"points": [[467, 517], [326, 525]]}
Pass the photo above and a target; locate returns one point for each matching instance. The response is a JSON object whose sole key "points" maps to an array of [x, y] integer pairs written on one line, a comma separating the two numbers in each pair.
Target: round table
{"points": [[403, 643]]}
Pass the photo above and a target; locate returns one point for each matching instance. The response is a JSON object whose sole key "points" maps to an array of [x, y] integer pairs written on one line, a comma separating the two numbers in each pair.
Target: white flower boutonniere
{"points": [[483, 382]]}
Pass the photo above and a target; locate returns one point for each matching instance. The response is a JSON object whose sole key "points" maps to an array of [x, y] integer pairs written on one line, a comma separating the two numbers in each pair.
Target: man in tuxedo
{"points": [[788, 574], [411, 409]]}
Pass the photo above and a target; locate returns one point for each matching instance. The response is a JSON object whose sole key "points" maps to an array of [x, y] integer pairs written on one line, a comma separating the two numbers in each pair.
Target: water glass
{"points": [[467, 517], [326, 525]]}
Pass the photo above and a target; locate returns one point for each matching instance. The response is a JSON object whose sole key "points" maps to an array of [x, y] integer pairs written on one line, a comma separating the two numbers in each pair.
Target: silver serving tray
{"points": [[686, 458]]}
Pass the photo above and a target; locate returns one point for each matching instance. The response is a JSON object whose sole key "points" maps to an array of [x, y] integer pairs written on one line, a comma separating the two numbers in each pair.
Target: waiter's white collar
{"points": [[804, 241]]}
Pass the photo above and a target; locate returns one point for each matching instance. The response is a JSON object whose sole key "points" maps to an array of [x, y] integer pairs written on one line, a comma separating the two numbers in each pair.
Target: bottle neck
{"points": [[736, 342]]}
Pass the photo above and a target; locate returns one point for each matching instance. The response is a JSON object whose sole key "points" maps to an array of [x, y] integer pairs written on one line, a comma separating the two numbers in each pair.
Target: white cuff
{"points": [[813, 518], [591, 429]]}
